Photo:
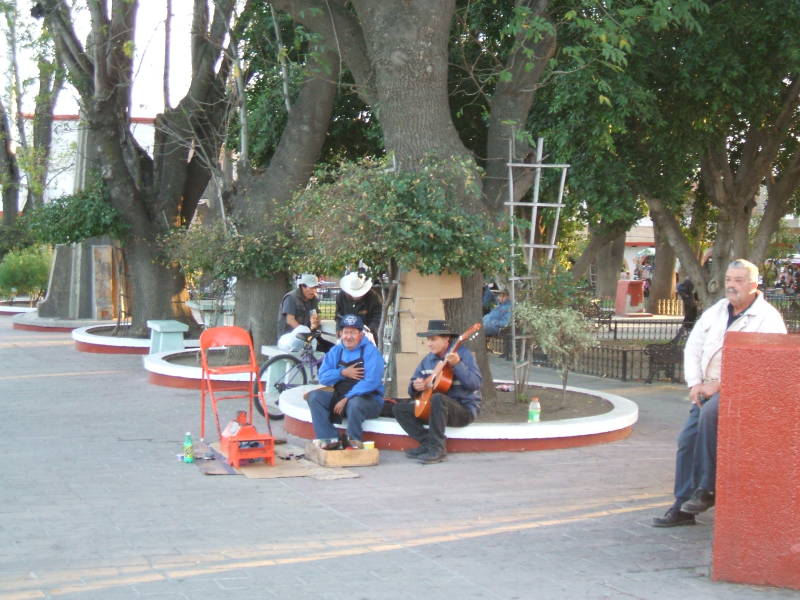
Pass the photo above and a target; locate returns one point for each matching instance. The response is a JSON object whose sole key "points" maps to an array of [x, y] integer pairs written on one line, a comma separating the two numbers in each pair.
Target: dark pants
{"points": [[696, 461], [445, 412], [357, 410]]}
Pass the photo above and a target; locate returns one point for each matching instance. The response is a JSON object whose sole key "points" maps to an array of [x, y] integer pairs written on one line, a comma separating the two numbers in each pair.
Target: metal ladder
{"points": [[526, 248]]}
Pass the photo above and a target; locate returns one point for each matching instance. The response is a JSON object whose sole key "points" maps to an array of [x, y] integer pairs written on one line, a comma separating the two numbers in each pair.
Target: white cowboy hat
{"points": [[355, 284]]}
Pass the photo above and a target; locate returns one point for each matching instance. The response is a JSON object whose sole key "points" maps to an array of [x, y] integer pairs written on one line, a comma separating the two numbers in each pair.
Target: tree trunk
{"points": [[662, 284], [51, 80], [609, 262], [599, 238], [259, 194], [9, 171], [670, 228], [156, 290], [409, 56]]}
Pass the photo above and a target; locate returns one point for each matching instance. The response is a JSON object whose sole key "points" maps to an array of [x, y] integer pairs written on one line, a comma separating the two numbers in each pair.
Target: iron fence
{"points": [[639, 329]]}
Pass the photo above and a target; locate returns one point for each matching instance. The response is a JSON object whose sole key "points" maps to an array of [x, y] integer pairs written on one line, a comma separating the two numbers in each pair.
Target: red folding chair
{"points": [[216, 390]]}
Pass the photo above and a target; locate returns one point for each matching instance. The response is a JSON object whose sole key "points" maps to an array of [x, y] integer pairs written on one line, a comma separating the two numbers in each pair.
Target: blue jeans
{"points": [[696, 460], [357, 410]]}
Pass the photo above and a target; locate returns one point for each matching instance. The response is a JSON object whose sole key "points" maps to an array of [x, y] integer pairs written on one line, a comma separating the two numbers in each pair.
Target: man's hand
{"points": [[353, 372], [700, 391], [452, 359], [338, 408], [418, 384]]}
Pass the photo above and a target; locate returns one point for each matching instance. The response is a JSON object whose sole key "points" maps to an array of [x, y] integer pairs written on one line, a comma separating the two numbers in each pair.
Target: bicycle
{"points": [[284, 371]]}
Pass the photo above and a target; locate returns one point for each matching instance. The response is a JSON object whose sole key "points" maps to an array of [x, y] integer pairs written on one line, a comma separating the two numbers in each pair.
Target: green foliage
{"points": [[561, 333], [553, 287], [217, 252], [415, 219], [13, 237], [25, 272], [75, 217]]}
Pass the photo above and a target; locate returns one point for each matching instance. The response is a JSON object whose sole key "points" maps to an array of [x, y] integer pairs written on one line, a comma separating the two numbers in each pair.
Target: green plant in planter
{"points": [[562, 333], [412, 219], [24, 272]]}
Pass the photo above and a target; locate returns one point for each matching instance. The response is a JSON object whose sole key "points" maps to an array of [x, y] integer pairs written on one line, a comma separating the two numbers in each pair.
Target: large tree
{"points": [[151, 193], [30, 161]]}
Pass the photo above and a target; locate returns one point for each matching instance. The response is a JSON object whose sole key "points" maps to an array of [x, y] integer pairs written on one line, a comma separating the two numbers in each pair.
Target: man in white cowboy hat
{"points": [[299, 307], [356, 297]]}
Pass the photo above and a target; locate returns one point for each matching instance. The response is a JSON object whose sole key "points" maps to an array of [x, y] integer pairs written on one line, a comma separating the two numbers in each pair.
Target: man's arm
{"points": [[373, 373], [329, 373], [413, 392], [467, 372]]}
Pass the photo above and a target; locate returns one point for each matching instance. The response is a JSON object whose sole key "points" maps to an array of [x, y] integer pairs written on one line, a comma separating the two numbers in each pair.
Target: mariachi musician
{"points": [[447, 364]]}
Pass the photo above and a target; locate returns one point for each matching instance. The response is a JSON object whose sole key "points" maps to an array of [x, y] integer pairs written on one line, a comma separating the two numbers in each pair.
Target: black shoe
{"points": [[674, 518], [330, 444], [418, 451], [433, 455], [700, 501]]}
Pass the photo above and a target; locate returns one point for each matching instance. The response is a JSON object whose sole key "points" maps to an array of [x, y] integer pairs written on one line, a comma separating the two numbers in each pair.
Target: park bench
{"points": [[666, 356]]}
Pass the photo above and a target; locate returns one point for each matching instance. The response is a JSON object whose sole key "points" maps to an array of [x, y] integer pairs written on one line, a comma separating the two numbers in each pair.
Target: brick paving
{"points": [[94, 505]]}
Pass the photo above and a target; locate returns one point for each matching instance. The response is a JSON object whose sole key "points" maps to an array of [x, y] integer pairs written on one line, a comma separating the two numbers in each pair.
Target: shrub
{"points": [[415, 219], [75, 217], [24, 272], [561, 333]]}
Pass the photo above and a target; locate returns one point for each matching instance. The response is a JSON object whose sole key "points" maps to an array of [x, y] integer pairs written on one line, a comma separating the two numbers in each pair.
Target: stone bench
{"points": [[166, 335]]}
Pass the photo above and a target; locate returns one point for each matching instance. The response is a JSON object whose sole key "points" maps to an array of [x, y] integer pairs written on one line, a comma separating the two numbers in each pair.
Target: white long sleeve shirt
{"points": [[702, 356]]}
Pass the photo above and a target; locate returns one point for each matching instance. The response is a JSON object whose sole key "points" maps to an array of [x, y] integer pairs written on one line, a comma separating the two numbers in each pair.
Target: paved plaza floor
{"points": [[95, 505]]}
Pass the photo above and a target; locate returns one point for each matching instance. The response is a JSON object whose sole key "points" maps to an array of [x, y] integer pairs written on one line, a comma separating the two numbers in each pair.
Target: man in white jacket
{"points": [[743, 309]]}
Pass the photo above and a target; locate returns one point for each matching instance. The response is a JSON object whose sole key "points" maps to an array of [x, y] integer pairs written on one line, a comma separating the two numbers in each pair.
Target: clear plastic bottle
{"points": [[188, 448], [534, 410]]}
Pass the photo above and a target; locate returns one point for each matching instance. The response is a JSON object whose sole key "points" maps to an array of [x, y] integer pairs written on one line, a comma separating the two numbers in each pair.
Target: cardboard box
{"points": [[444, 285], [367, 457], [405, 363], [422, 308]]}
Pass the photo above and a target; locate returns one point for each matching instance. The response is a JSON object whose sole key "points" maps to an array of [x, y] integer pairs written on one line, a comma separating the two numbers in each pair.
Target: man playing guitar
{"points": [[458, 407]]}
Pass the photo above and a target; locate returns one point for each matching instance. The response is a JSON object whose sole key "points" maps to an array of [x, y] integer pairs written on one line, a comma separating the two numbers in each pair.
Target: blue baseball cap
{"points": [[353, 321]]}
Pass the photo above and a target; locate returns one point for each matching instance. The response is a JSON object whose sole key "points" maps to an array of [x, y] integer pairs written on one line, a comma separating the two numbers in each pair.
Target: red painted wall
{"points": [[757, 522]]}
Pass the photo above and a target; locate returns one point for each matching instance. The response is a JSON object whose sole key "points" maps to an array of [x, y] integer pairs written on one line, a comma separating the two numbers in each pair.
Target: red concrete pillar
{"points": [[630, 297], [757, 521]]}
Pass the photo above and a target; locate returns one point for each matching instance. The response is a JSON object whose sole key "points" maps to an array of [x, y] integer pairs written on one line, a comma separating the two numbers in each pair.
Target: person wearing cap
{"points": [[354, 369], [356, 297], [457, 408], [499, 316], [299, 307]]}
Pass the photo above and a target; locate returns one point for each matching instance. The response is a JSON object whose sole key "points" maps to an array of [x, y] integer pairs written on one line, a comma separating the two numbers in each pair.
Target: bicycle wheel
{"points": [[279, 373]]}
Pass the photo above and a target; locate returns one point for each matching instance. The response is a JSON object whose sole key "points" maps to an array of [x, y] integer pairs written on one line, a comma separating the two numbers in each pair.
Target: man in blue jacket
{"points": [[354, 369], [499, 316], [457, 408]]}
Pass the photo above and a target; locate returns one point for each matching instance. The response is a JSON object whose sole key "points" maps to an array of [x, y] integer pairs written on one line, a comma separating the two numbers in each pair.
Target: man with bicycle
{"points": [[300, 307], [354, 369]]}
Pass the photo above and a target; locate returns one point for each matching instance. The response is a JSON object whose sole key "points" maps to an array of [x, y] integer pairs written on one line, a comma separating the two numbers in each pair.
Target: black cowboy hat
{"points": [[437, 327]]}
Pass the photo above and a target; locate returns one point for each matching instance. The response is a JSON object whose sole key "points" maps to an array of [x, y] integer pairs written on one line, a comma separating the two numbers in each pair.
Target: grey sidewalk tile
{"points": [[91, 484]]}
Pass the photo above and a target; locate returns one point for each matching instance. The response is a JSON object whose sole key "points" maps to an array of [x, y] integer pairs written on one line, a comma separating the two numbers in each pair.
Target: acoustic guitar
{"points": [[441, 378]]}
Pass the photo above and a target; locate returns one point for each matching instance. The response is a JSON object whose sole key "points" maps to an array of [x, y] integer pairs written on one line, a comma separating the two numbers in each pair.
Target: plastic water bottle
{"points": [[534, 410], [188, 448]]}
